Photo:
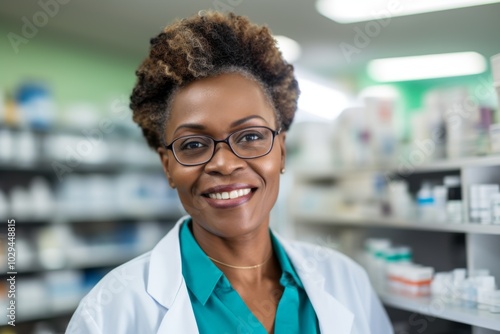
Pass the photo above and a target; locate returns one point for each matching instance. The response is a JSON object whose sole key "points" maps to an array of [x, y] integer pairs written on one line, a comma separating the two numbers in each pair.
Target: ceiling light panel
{"points": [[426, 67], [349, 11]]}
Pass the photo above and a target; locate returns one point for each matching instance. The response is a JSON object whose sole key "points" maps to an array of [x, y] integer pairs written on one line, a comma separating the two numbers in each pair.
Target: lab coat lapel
{"points": [[333, 317], [167, 286], [180, 317]]}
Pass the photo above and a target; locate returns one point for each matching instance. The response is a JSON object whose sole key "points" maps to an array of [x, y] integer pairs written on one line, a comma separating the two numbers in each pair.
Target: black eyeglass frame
{"points": [[226, 140]]}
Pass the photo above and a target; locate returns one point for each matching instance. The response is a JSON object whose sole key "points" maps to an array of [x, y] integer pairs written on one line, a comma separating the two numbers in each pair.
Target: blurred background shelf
{"points": [[435, 307], [332, 172], [388, 222], [44, 314], [345, 208], [88, 257]]}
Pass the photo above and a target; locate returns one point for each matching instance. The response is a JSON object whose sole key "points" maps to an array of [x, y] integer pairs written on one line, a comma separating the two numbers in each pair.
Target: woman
{"points": [[215, 98]]}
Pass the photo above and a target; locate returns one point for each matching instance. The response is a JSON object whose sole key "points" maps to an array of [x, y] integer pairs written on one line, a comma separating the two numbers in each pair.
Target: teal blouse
{"points": [[219, 309]]}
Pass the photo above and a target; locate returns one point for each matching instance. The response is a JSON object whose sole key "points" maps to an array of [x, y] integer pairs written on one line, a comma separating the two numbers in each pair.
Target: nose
{"points": [[224, 161]]}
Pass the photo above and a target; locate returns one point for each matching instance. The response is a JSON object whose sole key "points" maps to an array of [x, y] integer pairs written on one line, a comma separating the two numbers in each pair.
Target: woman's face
{"points": [[217, 107]]}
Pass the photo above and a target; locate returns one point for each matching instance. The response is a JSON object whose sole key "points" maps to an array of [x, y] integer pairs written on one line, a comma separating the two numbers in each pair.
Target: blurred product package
{"points": [[36, 105], [495, 128]]}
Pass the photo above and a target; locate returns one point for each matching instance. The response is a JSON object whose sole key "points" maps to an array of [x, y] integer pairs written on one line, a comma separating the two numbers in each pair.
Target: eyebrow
{"points": [[196, 126], [246, 119]]}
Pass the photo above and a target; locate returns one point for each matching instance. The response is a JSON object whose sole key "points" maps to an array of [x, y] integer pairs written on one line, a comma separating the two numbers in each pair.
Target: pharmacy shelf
{"points": [[327, 172], [169, 212], [322, 217], [42, 313], [436, 307], [43, 167], [106, 256]]}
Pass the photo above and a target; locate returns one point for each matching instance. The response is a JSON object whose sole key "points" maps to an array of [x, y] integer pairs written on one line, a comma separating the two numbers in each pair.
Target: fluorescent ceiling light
{"points": [[320, 99], [380, 91], [289, 48], [348, 11], [426, 67]]}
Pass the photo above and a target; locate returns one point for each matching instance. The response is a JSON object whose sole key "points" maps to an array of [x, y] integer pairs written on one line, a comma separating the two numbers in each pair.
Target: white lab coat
{"points": [[148, 294]]}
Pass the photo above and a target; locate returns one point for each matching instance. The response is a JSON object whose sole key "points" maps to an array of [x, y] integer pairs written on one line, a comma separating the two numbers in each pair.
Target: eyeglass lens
{"points": [[247, 143]]}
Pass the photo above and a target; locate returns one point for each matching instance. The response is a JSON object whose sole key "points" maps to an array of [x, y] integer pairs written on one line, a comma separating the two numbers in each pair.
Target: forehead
{"points": [[217, 102]]}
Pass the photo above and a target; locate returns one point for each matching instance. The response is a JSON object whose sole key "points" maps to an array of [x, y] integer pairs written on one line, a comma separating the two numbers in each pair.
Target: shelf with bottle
{"points": [[51, 294], [60, 247], [330, 172], [61, 153], [334, 219], [466, 200], [44, 313], [170, 210], [88, 197], [36, 136], [57, 266], [462, 295], [94, 257]]}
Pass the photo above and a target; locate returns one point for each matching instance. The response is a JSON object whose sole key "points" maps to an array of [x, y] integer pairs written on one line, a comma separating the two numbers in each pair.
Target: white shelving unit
{"points": [[105, 237], [436, 308], [316, 214]]}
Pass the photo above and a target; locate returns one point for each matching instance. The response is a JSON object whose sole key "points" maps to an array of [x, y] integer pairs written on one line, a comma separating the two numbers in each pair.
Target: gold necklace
{"points": [[242, 267]]}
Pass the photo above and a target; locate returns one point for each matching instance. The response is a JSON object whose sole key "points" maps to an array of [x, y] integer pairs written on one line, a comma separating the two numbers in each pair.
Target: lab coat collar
{"points": [[165, 274], [166, 285], [332, 315]]}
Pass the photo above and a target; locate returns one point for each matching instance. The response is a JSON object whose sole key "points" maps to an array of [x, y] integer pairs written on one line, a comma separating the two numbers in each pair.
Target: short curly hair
{"points": [[206, 45]]}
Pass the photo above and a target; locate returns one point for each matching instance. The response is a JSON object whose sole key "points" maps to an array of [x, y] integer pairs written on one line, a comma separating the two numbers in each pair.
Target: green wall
{"points": [[74, 72]]}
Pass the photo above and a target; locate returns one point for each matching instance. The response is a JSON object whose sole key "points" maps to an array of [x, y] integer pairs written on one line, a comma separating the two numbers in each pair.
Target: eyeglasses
{"points": [[249, 143]]}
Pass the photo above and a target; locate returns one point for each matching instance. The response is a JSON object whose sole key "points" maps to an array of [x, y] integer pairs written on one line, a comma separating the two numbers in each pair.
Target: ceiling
{"points": [[127, 25]]}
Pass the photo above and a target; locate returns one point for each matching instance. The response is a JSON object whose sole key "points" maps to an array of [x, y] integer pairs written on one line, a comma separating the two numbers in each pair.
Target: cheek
{"points": [[269, 169], [184, 179]]}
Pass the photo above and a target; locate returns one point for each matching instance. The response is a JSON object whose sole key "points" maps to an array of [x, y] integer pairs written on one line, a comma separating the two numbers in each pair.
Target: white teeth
{"points": [[230, 195]]}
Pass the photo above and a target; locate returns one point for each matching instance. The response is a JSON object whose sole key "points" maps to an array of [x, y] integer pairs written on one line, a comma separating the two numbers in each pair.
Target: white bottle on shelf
{"points": [[425, 203], [495, 208], [458, 279], [7, 145], [485, 286]]}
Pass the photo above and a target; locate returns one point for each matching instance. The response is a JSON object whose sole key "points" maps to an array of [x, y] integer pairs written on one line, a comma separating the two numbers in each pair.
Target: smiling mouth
{"points": [[229, 194]]}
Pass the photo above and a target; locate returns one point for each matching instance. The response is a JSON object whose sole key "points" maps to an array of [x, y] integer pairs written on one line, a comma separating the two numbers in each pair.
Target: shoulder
{"points": [[335, 267], [342, 278], [321, 254]]}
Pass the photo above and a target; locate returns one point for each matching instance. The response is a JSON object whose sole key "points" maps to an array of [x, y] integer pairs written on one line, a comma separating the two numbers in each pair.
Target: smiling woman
{"points": [[214, 99]]}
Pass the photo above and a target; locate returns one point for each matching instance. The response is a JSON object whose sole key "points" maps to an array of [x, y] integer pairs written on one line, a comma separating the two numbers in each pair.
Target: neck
{"points": [[252, 249]]}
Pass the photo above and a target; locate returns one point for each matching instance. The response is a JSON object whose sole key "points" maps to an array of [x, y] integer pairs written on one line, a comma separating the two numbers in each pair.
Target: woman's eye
{"points": [[193, 145], [250, 137]]}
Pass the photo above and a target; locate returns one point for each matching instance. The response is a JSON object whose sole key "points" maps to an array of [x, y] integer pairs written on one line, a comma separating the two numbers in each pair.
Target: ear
{"points": [[281, 140], [163, 153]]}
